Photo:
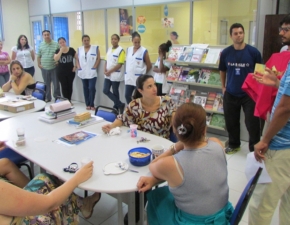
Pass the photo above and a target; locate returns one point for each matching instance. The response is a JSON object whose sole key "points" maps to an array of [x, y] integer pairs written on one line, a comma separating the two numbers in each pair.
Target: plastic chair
{"points": [[108, 114], [40, 85], [172, 136], [19, 160], [245, 198], [39, 94]]}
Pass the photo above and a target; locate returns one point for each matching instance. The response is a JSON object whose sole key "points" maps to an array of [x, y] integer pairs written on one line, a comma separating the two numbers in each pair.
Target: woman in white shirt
{"points": [[87, 63], [160, 68], [137, 63], [114, 72], [24, 54]]}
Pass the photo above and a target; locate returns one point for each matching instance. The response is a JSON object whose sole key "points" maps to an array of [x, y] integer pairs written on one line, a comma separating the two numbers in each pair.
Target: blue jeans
{"points": [[129, 89], [30, 70], [4, 78], [115, 95], [89, 87]]}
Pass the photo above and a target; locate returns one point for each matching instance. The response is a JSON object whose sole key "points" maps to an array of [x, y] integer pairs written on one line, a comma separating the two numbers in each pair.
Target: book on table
{"points": [[51, 118], [200, 98], [93, 120], [77, 137], [186, 54], [174, 53], [197, 55]]}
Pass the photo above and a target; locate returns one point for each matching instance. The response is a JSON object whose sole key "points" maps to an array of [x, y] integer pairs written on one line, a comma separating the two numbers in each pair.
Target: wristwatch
{"points": [[12, 81]]}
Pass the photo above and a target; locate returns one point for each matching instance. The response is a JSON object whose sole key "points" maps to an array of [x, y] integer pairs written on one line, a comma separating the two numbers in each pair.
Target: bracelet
{"points": [[173, 149]]}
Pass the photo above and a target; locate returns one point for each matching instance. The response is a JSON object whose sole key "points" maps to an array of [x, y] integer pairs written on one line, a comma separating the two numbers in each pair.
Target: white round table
{"points": [[43, 149], [38, 105]]}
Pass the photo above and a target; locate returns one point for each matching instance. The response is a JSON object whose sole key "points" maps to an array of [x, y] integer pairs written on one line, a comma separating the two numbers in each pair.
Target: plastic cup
{"points": [[133, 130], [157, 150], [85, 161], [20, 133]]}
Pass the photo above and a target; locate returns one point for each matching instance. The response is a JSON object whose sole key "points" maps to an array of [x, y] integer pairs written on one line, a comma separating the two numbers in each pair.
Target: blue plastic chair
{"points": [[19, 160], [39, 94], [245, 198], [172, 136], [40, 85], [109, 114]]}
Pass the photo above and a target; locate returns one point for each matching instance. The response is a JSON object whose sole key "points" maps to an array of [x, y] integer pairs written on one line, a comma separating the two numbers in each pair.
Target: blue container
{"points": [[140, 161]]}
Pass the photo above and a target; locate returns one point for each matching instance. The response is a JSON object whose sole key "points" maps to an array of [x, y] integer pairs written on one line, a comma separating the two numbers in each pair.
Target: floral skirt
{"points": [[66, 214]]}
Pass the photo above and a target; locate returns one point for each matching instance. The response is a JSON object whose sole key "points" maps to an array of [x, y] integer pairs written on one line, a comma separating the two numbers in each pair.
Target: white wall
{"points": [[15, 21]]}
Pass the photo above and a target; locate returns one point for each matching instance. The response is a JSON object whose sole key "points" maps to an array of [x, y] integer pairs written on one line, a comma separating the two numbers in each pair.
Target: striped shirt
{"points": [[281, 140], [46, 52]]}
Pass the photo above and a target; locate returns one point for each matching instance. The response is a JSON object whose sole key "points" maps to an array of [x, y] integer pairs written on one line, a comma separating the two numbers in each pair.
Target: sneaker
{"points": [[230, 150], [89, 204]]}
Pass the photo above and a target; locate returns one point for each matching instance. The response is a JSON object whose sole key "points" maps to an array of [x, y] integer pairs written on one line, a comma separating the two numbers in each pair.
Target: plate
{"points": [[112, 168]]}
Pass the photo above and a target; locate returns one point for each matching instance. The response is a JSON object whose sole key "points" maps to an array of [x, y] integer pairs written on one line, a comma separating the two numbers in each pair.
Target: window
{"points": [[37, 30], [79, 21], [60, 28], [1, 24]]}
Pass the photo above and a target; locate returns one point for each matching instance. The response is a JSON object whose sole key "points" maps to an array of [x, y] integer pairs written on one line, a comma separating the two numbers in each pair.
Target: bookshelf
{"points": [[192, 86]]}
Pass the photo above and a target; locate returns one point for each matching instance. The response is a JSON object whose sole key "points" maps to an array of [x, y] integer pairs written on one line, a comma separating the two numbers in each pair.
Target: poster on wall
{"points": [[167, 22], [125, 23]]}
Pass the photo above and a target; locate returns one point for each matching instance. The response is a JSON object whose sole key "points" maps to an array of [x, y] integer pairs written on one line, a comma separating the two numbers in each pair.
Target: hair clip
{"points": [[181, 130], [142, 140], [72, 168]]}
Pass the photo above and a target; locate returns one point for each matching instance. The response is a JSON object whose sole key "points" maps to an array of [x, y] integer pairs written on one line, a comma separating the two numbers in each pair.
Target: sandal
{"points": [[88, 205], [88, 108], [93, 108]]}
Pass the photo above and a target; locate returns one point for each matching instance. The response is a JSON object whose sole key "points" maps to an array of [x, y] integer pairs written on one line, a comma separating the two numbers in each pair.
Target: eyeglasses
{"points": [[284, 29]]}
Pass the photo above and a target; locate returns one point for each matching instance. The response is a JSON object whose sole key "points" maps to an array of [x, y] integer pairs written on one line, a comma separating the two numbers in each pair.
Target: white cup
{"points": [[157, 150], [20, 133], [85, 161]]}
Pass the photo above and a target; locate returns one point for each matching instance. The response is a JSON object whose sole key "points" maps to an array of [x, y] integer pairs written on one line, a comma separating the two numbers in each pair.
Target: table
{"points": [[38, 105], [42, 148]]}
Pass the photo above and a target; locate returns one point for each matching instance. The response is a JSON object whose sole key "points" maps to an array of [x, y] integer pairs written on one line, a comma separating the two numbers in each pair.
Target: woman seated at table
{"points": [[197, 191], [45, 200], [20, 81], [150, 112]]}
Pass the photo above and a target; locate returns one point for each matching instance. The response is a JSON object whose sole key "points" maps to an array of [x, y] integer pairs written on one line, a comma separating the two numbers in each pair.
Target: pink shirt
{"points": [[3, 68]]}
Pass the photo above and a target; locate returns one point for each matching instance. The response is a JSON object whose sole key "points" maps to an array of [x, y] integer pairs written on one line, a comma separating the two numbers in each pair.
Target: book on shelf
{"points": [[213, 55], [77, 137], [178, 93], [186, 54], [200, 98], [204, 55], [208, 118], [204, 76], [197, 55], [210, 100], [174, 53], [184, 74], [218, 120], [214, 78], [221, 105], [217, 101], [193, 75], [190, 95], [174, 73]]}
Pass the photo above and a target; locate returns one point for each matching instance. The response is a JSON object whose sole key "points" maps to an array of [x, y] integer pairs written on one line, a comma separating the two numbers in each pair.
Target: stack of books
{"points": [[55, 117], [94, 119]]}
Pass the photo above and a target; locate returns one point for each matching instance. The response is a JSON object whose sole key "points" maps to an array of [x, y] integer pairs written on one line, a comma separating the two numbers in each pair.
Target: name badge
{"points": [[238, 71]]}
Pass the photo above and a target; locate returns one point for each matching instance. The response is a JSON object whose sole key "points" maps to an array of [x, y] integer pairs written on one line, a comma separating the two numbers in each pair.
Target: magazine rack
{"points": [[195, 87]]}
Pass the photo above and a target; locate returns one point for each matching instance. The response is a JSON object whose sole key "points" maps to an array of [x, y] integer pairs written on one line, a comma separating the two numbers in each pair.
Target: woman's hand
{"points": [[2, 145], [269, 78], [13, 77], [84, 173], [146, 183], [106, 128]]}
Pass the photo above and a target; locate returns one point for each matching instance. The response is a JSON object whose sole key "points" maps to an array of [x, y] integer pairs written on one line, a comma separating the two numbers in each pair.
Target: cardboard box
{"points": [[16, 106]]}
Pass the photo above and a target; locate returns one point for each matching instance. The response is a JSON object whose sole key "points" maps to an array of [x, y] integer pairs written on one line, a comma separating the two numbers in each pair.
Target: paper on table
{"points": [[252, 165], [60, 106]]}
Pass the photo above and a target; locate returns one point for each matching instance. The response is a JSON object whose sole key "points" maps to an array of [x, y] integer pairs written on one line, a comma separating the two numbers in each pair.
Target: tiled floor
{"points": [[105, 212]]}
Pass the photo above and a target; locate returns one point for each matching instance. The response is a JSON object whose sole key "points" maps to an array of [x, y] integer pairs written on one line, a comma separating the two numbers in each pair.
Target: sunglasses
{"points": [[284, 29]]}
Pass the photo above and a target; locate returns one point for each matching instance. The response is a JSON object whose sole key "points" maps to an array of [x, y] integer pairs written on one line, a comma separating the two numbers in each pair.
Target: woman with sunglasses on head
{"points": [[196, 172], [4, 62], [137, 63], [113, 72], [24, 53], [88, 61], [65, 69]]}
